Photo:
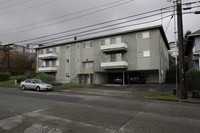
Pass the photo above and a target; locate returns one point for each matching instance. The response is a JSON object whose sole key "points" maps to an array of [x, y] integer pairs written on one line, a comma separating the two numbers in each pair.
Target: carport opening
{"points": [[127, 78]]}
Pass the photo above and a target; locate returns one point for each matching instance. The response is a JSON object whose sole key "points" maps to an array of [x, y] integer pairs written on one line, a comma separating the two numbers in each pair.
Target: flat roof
{"points": [[114, 34]]}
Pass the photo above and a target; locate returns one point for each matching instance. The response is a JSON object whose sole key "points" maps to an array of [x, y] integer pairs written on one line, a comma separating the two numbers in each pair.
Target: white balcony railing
{"points": [[48, 69], [114, 65], [114, 47], [48, 56]]}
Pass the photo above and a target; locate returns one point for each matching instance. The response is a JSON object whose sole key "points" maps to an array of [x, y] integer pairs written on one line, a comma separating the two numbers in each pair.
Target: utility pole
{"points": [[182, 89]]}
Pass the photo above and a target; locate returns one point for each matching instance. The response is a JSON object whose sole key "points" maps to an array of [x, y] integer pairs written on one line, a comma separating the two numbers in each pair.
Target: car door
{"points": [[32, 84], [27, 83]]}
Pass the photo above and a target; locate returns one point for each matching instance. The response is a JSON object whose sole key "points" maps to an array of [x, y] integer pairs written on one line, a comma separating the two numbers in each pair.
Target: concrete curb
{"points": [[175, 100]]}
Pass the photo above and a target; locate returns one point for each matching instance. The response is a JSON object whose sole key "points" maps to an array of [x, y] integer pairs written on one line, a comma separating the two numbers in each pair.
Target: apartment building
{"points": [[135, 56], [193, 50]]}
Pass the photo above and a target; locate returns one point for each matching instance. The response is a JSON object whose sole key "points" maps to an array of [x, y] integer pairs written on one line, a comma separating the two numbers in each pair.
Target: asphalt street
{"points": [[62, 112]]}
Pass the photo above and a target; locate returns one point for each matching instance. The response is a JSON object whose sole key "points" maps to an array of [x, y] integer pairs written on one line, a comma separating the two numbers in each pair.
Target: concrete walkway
{"points": [[127, 91]]}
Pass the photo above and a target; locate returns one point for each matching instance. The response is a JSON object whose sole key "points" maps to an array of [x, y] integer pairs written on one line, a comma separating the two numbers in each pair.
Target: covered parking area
{"points": [[127, 77]]}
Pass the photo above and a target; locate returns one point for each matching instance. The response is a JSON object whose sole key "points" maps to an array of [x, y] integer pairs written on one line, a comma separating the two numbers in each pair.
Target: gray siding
{"points": [[156, 64]]}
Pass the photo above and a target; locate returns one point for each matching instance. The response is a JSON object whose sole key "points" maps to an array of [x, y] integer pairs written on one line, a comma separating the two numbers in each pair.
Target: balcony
{"points": [[121, 47], [48, 69], [114, 65], [48, 56]]}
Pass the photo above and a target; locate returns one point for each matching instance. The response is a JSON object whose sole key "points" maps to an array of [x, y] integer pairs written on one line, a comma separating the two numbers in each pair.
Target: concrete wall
{"points": [[77, 55], [101, 78]]}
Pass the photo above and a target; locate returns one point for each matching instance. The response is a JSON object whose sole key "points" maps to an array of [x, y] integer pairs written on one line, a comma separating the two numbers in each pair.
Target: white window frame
{"points": [[142, 35], [146, 53], [145, 34], [87, 44]]}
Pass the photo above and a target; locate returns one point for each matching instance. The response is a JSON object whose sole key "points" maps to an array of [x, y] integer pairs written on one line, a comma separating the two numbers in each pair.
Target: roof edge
{"points": [[113, 34]]}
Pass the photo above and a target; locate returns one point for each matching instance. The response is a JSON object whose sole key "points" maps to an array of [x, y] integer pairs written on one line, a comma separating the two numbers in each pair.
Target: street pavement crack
{"points": [[132, 117]]}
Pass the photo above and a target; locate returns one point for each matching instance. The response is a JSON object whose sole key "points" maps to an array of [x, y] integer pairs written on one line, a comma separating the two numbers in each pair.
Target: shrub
{"points": [[193, 79], [4, 76], [45, 78], [28, 75], [171, 74]]}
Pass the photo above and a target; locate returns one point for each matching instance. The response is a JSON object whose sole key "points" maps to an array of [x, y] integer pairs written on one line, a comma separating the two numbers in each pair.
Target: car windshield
{"points": [[37, 81]]}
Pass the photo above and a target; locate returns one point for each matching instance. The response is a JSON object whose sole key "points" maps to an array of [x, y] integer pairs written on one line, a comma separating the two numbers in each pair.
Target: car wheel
{"points": [[23, 87], [38, 88]]}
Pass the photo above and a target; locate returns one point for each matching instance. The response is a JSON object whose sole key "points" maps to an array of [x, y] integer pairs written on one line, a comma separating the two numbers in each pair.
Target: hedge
{"points": [[193, 79], [45, 78], [4, 76]]}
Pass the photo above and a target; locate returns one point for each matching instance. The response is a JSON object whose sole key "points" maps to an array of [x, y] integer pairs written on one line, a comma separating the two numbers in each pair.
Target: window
{"points": [[47, 50], [47, 63], [87, 44], [41, 51], [103, 42], [86, 65], [67, 60], [78, 45], [113, 40], [142, 35], [91, 65], [68, 47], [140, 54], [145, 34], [55, 50], [139, 35], [118, 39], [67, 75], [145, 53], [54, 63], [115, 57], [28, 81]]}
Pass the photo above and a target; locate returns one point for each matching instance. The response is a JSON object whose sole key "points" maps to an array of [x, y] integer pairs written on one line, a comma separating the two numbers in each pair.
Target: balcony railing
{"points": [[114, 47], [114, 65], [48, 69], [48, 56]]}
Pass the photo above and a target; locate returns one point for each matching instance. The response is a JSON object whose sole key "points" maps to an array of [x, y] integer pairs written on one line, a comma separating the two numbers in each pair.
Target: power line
{"points": [[15, 4], [66, 15], [67, 19], [87, 26], [169, 23], [27, 8], [64, 20], [99, 24], [4, 2], [110, 25], [76, 34]]}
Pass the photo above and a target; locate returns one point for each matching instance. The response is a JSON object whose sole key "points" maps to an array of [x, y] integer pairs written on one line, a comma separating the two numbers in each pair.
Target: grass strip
{"points": [[163, 95]]}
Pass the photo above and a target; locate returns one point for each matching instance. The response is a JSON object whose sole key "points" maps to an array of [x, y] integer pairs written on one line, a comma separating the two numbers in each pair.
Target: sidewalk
{"points": [[127, 91]]}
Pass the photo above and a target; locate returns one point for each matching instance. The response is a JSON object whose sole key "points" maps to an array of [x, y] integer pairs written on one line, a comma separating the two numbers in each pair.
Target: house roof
{"points": [[196, 33], [115, 34], [190, 39]]}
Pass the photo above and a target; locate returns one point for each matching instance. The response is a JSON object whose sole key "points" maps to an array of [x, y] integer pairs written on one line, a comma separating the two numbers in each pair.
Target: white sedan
{"points": [[35, 84]]}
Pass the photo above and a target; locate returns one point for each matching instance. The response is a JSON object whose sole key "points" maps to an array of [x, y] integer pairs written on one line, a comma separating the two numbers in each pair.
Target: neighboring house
{"points": [[173, 49], [113, 58], [193, 50], [30, 49]]}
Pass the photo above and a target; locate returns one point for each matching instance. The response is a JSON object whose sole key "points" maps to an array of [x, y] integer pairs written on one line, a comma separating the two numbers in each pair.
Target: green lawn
{"points": [[10, 82], [77, 85], [163, 95]]}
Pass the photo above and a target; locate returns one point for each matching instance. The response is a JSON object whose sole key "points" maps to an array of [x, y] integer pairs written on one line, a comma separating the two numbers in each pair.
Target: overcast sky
{"points": [[26, 19]]}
